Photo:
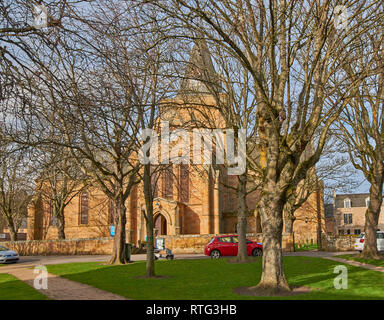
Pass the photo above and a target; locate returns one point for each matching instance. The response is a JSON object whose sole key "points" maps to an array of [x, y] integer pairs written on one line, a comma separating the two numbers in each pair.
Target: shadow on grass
{"points": [[355, 257], [216, 279]]}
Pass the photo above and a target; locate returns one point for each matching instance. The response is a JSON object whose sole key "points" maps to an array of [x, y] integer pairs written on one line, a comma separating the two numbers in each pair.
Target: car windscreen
{"points": [[380, 235], [210, 241], [360, 236], [3, 248]]}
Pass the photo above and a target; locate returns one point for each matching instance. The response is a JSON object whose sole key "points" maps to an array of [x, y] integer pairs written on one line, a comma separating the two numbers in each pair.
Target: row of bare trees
{"points": [[291, 77], [299, 55], [82, 96]]}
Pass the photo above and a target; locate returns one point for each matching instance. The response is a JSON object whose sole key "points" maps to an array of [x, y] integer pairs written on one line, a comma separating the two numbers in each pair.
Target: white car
{"points": [[359, 244], [7, 255]]}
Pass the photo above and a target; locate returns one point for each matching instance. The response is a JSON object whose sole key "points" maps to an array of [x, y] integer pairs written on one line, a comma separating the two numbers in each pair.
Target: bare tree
{"points": [[362, 125], [75, 93], [22, 21], [289, 48], [59, 182], [15, 192], [95, 90], [217, 92], [331, 172]]}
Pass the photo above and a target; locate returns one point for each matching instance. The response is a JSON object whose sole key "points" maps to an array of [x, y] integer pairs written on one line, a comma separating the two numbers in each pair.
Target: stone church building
{"points": [[189, 199]]}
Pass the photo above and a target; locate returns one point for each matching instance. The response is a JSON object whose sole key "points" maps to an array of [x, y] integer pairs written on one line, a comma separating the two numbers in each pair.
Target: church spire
{"points": [[200, 75]]}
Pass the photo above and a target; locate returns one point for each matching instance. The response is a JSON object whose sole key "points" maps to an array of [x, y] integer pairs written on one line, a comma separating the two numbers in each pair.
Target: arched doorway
{"points": [[161, 224]]}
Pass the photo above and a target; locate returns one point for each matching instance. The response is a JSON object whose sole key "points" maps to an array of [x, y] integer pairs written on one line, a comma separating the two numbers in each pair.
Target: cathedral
{"points": [[188, 198]]}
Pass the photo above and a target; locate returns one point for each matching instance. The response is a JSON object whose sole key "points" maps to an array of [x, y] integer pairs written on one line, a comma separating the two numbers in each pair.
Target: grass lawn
{"points": [[216, 279], [354, 257], [306, 247], [12, 288]]}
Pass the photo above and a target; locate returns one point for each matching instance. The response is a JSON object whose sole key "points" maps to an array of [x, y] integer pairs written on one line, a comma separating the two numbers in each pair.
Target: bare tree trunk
{"points": [[371, 220], [289, 222], [318, 212], [242, 219], [12, 231], [150, 266], [60, 223], [118, 254], [272, 279], [289, 217]]}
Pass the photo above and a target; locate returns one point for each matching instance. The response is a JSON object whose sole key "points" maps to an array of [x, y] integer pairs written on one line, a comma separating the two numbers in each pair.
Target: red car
{"points": [[228, 246]]}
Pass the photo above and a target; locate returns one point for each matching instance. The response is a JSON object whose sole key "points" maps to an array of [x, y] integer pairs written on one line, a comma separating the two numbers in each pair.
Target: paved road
{"points": [[29, 261]]}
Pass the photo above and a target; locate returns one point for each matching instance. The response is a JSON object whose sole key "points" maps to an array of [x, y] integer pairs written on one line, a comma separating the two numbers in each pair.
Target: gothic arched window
{"points": [[184, 182], [84, 207]]}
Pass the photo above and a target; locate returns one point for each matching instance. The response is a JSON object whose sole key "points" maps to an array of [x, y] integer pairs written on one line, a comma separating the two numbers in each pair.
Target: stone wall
{"points": [[103, 246], [196, 243], [61, 247], [338, 243]]}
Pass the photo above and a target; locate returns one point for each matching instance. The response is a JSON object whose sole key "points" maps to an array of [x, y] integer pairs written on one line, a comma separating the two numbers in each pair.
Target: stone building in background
{"points": [[349, 213], [189, 199]]}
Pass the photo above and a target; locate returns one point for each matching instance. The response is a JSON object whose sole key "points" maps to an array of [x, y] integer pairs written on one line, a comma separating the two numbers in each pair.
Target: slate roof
{"points": [[357, 199]]}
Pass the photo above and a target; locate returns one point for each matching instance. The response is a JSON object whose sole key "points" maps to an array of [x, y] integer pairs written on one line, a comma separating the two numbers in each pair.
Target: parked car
{"points": [[7, 255], [359, 244], [228, 246]]}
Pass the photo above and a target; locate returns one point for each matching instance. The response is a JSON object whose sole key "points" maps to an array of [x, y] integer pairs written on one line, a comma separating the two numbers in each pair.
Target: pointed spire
{"points": [[200, 75]]}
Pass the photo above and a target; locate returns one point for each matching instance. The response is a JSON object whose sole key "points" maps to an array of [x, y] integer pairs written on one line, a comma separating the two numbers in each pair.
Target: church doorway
{"points": [[160, 225]]}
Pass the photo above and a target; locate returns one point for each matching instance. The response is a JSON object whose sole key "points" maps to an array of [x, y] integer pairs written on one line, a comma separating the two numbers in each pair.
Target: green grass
{"points": [[216, 279], [12, 288], [354, 257], [306, 247]]}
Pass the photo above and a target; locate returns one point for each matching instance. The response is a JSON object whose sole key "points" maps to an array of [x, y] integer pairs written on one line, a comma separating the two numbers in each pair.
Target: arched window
{"points": [[52, 217], [84, 208], [168, 183], [154, 181], [184, 182]]}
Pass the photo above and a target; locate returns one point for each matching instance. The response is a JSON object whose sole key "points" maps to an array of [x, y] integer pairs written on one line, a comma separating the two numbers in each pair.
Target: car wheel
{"points": [[257, 252], [215, 254]]}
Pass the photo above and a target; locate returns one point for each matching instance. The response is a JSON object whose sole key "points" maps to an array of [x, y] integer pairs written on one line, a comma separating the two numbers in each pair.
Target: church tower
{"points": [[200, 75]]}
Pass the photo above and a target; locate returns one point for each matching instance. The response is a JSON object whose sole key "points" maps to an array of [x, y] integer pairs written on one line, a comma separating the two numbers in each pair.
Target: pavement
{"points": [[358, 264], [31, 261], [59, 288], [318, 254]]}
